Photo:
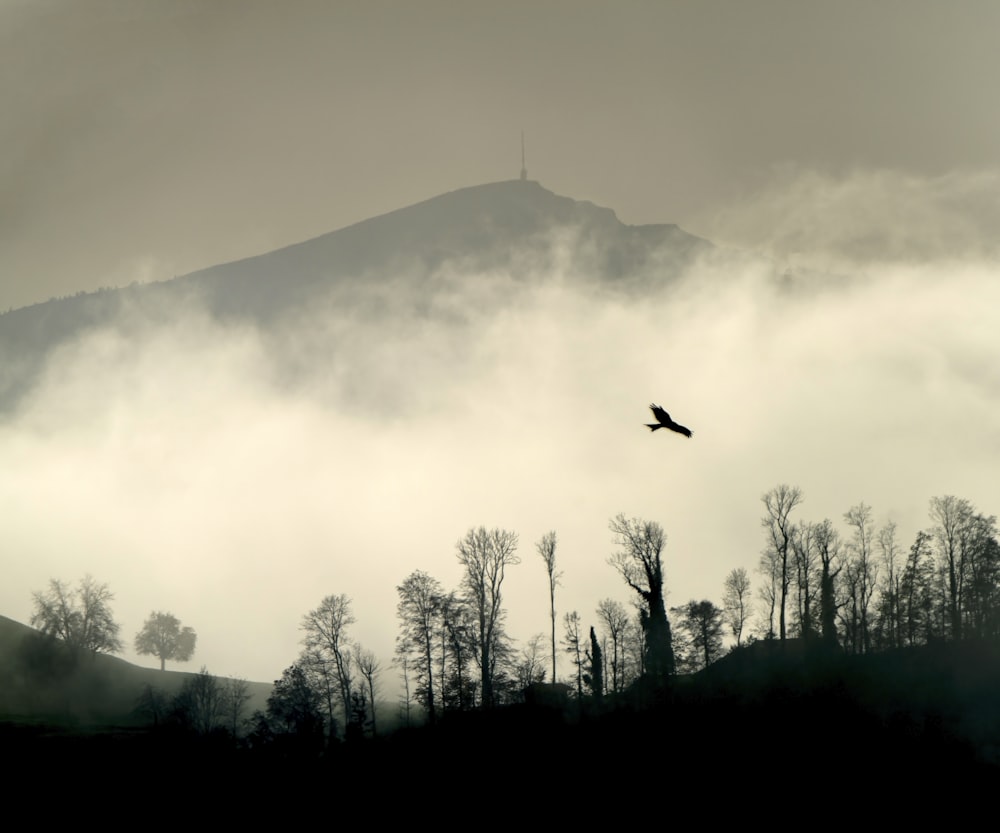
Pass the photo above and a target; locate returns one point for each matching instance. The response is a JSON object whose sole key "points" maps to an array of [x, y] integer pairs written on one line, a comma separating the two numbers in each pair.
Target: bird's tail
{"points": [[653, 427]]}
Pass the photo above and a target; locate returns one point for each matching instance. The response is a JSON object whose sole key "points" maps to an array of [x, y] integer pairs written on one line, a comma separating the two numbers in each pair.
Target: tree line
{"points": [[865, 591], [855, 590]]}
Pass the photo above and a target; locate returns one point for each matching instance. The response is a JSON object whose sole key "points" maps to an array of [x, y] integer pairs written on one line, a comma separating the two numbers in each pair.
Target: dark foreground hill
{"points": [[773, 729]]}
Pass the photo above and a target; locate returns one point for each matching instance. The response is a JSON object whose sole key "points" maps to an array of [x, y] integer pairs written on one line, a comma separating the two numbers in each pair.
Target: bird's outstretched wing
{"points": [[664, 421], [661, 416]]}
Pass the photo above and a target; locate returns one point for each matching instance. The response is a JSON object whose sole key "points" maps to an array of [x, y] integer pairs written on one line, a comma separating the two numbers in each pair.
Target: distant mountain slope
{"points": [[517, 227]]}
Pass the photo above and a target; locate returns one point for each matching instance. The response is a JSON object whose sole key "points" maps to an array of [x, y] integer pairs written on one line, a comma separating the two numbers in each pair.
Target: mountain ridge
{"points": [[514, 227]]}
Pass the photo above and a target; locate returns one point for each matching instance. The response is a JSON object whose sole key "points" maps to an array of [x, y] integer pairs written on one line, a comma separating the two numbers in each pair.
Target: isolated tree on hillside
{"points": [[485, 556], [638, 561], [547, 550], [81, 618], [162, 636]]}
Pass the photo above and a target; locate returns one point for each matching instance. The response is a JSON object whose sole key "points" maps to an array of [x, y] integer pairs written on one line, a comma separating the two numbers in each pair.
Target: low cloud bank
{"points": [[235, 477]]}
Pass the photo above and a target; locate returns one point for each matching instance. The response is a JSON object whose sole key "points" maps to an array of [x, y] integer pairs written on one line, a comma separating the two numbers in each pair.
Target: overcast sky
{"points": [[143, 140]]}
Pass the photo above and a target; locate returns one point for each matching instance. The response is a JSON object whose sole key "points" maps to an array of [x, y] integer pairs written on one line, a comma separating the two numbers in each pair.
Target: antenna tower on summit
{"points": [[524, 170]]}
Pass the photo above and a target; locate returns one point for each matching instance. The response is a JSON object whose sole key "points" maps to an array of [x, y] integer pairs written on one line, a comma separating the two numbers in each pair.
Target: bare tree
{"points": [[547, 550], [81, 618], [485, 556], [235, 696], [779, 503], [162, 636], [369, 667], [804, 558], [638, 561], [862, 574], [615, 619], [200, 701], [327, 649], [915, 591], [889, 618], [982, 583], [457, 645], [529, 668], [574, 646], [768, 591], [951, 516], [828, 549], [419, 611], [405, 705], [736, 601]]}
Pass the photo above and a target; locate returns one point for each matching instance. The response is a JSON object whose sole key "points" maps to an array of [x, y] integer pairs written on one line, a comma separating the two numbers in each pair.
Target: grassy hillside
{"points": [[41, 681]]}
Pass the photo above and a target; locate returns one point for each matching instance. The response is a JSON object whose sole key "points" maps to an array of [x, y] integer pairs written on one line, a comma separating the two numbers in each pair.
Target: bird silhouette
{"points": [[664, 421]]}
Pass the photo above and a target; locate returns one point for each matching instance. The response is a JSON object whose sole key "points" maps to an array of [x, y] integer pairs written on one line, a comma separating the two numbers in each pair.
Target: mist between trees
{"points": [[846, 588]]}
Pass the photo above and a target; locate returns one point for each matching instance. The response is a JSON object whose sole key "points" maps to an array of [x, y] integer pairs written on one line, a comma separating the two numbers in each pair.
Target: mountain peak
{"points": [[514, 226], [481, 226]]}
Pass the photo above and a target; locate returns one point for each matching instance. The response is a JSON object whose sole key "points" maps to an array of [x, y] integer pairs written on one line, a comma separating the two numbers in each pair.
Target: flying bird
{"points": [[664, 421]]}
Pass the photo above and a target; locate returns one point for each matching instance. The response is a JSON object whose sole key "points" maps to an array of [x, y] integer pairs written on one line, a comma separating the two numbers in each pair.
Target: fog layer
{"points": [[235, 477]]}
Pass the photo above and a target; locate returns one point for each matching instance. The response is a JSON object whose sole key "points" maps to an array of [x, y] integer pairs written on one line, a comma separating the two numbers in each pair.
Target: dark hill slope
{"points": [[42, 681]]}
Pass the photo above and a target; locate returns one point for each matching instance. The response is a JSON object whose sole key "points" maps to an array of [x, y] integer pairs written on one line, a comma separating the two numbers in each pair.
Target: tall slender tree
{"points": [[574, 646], [828, 549], [419, 611], [952, 516], [327, 648], [614, 617], [736, 601], [485, 556], [862, 575], [779, 503], [547, 550]]}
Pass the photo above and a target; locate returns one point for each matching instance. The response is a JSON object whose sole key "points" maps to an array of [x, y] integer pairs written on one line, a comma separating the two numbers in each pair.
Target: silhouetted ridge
{"points": [[481, 228]]}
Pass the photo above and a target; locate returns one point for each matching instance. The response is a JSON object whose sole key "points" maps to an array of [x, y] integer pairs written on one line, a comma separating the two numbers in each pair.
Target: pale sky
{"points": [[143, 140]]}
